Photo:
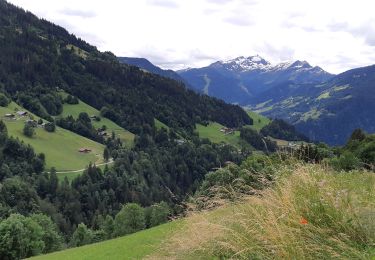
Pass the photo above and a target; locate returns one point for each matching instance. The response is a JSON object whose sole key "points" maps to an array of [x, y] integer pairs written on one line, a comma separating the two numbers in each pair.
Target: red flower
{"points": [[303, 221]]}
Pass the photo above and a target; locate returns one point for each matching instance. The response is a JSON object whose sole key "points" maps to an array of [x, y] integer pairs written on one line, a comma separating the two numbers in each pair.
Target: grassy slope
{"points": [[60, 147], [160, 125], [74, 111], [212, 132], [134, 246], [259, 120], [338, 207]]}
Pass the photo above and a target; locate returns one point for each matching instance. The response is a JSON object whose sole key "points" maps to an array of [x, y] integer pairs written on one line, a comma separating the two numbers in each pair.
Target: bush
{"points": [[157, 214], [51, 238], [130, 219], [81, 236], [20, 237], [50, 127], [346, 161], [72, 100], [28, 130]]}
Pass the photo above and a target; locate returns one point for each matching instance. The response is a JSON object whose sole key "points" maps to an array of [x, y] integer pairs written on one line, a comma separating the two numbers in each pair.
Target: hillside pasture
{"points": [[213, 133], [259, 121], [135, 246], [74, 110], [60, 147]]}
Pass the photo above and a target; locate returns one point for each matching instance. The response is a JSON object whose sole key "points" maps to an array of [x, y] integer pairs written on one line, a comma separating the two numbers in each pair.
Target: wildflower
{"points": [[303, 221]]}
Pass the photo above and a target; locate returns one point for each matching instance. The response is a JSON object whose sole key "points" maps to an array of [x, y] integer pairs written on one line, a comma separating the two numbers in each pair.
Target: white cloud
{"points": [[77, 12], [164, 3], [336, 35]]}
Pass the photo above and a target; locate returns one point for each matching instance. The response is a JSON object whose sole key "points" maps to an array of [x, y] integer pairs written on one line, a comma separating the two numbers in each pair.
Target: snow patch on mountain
{"points": [[243, 64], [257, 63]]}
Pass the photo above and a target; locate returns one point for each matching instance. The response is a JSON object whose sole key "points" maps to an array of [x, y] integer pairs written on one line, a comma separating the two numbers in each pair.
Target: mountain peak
{"points": [[242, 64], [300, 64], [251, 63]]}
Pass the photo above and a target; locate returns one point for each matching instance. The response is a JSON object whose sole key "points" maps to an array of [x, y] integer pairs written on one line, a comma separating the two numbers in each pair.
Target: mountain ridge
{"points": [[326, 112], [248, 76], [304, 95], [145, 64]]}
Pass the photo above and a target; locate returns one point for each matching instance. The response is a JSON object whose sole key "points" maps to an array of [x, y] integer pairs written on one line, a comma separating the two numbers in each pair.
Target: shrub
{"points": [[346, 161], [50, 127], [130, 219], [81, 236], [157, 214], [20, 237], [72, 100], [28, 130]]}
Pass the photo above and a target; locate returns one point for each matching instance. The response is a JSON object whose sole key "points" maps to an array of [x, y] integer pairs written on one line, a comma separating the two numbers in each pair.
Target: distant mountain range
{"points": [[327, 111], [240, 80], [323, 106]]}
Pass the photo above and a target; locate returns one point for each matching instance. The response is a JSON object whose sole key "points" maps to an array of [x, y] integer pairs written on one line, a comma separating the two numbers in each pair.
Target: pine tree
{"points": [[106, 154]]}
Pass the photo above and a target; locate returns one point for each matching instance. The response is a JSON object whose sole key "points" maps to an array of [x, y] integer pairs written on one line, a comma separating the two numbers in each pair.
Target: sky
{"points": [[336, 35]]}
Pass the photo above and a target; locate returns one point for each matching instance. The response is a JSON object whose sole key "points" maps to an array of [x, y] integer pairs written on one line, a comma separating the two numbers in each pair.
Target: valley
{"points": [[107, 156], [305, 96]]}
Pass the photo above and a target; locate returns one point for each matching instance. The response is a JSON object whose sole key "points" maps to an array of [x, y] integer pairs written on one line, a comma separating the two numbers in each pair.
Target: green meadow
{"points": [[74, 111], [134, 246], [212, 132], [60, 147], [259, 121]]}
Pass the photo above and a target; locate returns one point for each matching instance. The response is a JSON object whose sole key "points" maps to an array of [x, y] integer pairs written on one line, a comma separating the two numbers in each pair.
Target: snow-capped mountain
{"points": [[241, 79], [322, 106], [242, 64]]}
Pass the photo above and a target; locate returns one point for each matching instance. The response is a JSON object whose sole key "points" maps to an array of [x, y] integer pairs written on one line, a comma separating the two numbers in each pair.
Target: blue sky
{"points": [[336, 35]]}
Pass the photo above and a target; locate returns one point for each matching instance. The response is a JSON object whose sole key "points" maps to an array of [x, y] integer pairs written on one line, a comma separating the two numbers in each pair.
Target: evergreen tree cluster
{"points": [[158, 168], [280, 129], [257, 140], [39, 59], [82, 126]]}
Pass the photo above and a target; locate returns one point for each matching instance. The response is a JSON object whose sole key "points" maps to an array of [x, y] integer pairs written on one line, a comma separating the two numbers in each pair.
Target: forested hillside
{"points": [[38, 57], [44, 70], [315, 202], [166, 147]]}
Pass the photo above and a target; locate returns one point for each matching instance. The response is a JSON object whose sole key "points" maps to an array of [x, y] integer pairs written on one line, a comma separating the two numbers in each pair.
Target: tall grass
{"points": [[311, 213]]}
